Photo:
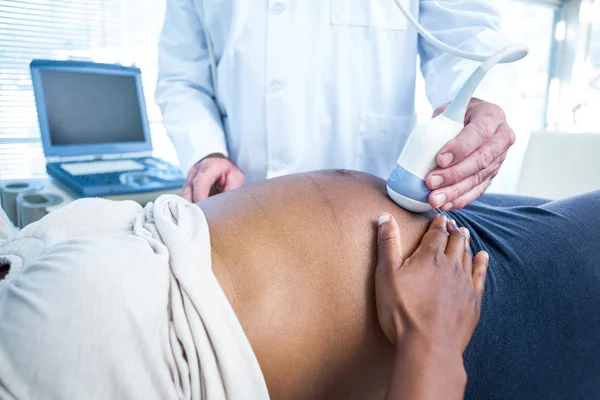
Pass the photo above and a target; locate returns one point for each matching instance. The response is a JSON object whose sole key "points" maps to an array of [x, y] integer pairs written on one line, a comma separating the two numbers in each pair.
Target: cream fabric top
{"points": [[109, 300]]}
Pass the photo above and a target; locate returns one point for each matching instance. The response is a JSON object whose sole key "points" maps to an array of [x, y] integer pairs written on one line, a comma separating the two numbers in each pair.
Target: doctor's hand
{"points": [[470, 161], [428, 306], [214, 174]]}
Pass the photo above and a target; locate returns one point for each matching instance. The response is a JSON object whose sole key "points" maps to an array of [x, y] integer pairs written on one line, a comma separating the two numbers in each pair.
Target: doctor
{"points": [[317, 84]]}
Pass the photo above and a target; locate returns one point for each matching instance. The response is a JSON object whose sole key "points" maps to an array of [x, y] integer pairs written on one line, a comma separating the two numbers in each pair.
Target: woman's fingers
{"points": [[468, 255], [480, 268], [435, 239], [389, 260], [456, 242], [388, 244]]}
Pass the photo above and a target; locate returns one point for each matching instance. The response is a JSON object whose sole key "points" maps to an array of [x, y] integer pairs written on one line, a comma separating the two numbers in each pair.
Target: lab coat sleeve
{"points": [[184, 90], [471, 25]]}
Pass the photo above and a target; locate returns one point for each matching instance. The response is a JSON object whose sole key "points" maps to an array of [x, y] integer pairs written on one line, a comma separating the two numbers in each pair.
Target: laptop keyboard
{"points": [[101, 179], [107, 168]]}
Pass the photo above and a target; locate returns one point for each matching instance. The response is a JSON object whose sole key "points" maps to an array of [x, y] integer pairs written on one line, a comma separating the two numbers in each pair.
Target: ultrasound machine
{"points": [[95, 132]]}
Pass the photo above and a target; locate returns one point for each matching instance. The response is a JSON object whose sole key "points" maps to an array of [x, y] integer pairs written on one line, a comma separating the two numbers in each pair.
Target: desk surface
{"points": [[51, 187]]}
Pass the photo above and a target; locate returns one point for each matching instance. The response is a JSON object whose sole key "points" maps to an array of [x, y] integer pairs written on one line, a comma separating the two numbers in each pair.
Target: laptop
{"points": [[95, 131]]}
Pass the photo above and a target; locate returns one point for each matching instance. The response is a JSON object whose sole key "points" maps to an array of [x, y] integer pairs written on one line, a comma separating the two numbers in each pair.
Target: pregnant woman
{"points": [[269, 291]]}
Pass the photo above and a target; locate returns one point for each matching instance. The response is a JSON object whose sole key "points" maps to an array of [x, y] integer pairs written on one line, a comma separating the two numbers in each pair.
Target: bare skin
{"points": [[296, 258], [429, 306]]}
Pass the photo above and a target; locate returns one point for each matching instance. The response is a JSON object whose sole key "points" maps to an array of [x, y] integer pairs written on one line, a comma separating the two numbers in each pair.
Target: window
{"points": [[529, 105], [122, 31], [527, 110], [531, 88], [585, 113]]}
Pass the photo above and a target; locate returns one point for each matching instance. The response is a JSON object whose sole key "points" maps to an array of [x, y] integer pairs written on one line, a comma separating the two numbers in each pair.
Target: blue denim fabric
{"points": [[539, 333]]}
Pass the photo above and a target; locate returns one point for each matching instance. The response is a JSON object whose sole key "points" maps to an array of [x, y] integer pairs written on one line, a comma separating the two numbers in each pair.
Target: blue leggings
{"points": [[539, 333]]}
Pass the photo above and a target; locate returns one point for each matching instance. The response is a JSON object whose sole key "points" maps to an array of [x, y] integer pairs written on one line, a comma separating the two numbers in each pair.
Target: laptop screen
{"points": [[91, 108]]}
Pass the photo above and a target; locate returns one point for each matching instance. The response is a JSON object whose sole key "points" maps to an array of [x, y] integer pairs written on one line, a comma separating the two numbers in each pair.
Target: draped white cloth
{"points": [[109, 300]]}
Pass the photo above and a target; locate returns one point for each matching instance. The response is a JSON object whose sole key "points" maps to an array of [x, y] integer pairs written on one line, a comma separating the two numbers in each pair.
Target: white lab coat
{"points": [[313, 84]]}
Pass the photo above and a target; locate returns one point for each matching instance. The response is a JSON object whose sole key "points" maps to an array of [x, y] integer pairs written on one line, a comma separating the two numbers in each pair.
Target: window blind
{"points": [[113, 31]]}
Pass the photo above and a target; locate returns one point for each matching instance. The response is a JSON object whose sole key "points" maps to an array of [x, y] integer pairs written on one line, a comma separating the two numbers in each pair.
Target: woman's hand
{"points": [[429, 306]]}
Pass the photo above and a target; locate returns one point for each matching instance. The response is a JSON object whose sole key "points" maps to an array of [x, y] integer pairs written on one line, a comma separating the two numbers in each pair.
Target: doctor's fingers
{"points": [[482, 129], [462, 193], [187, 192], [452, 197], [234, 180], [203, 181], [482, 158]]}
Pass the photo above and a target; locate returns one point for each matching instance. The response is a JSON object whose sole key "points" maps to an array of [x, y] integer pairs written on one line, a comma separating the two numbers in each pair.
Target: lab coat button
{"points": [[278, 8], [276, 86]]}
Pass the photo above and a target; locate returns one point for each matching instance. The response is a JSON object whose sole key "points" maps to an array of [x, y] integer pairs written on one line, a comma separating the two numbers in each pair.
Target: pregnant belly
{"points": [[296, 257]]}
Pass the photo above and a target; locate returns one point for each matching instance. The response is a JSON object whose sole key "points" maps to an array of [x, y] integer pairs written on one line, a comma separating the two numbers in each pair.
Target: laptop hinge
{"points": [[98, 157]]}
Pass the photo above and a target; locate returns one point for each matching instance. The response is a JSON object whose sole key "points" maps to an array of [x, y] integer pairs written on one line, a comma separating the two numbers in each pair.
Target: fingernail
{"points": [[440, 199], [446, 159], [486, 255], [436, 181], [383, 219], [447, 207]]}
